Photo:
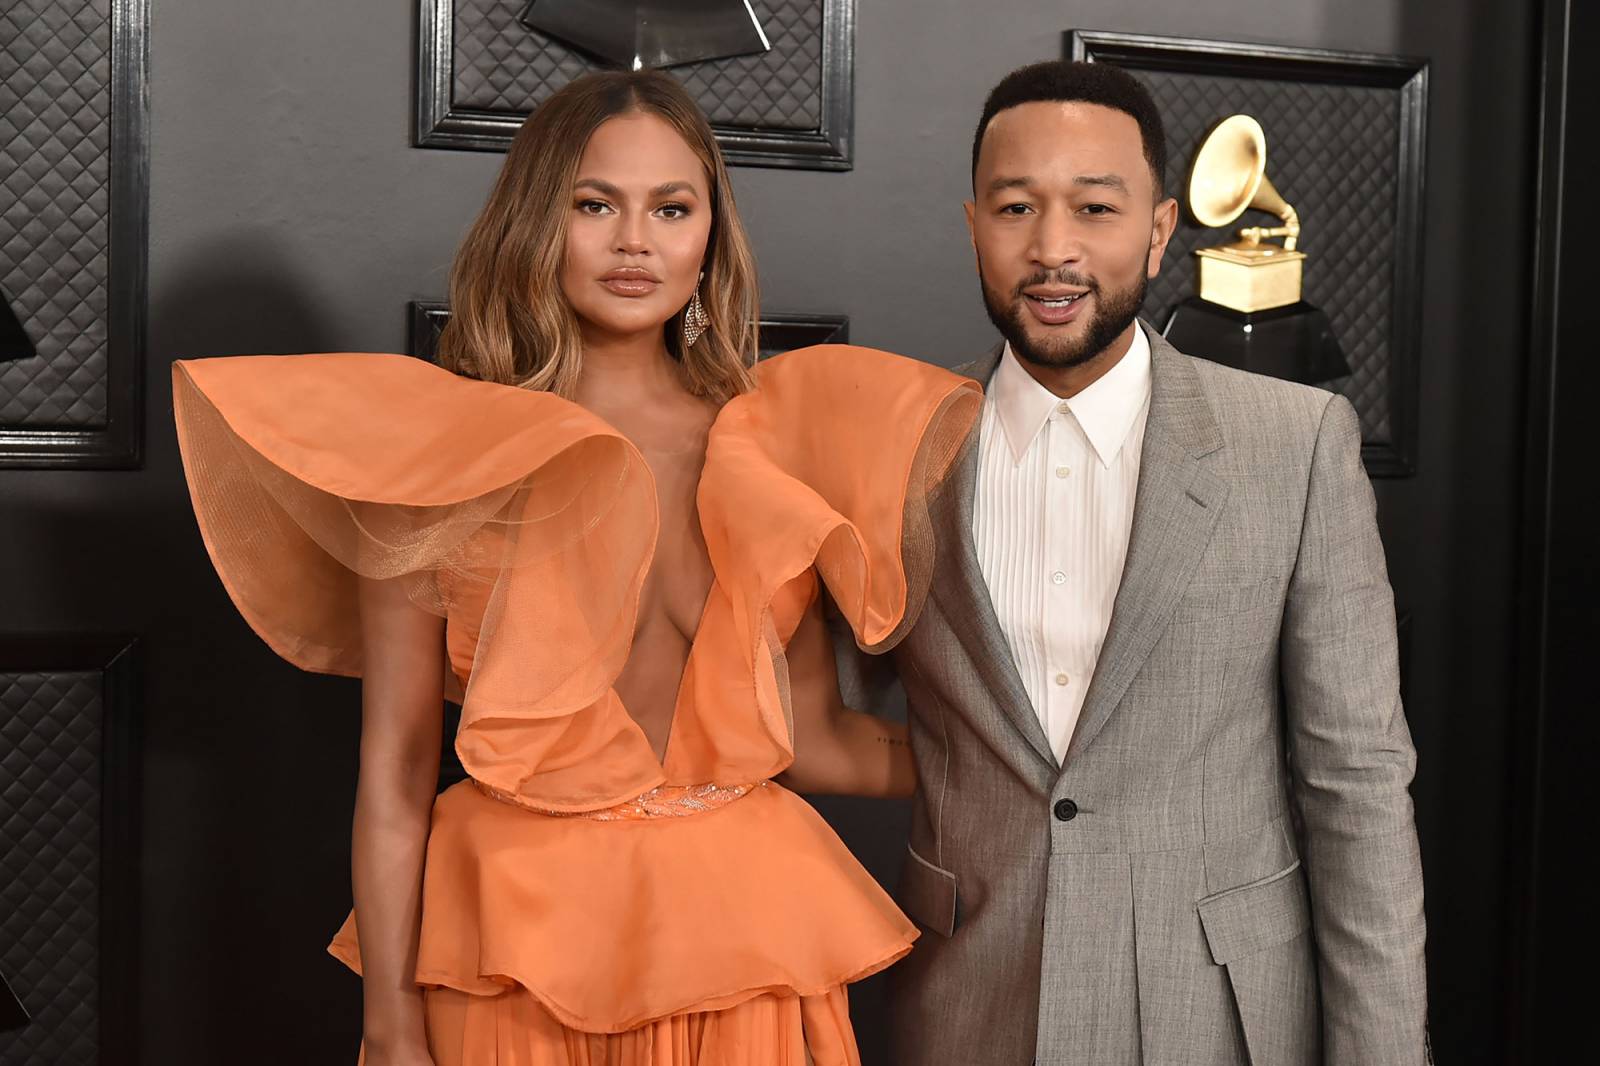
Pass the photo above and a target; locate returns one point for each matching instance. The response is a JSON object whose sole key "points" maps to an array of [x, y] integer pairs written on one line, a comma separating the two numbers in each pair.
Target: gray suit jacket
{"points": [[1224, 869]]}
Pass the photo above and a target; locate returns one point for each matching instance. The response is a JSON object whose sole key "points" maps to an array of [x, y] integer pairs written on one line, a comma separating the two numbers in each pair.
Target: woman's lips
{"points": [[631, 286], [630, 282]]}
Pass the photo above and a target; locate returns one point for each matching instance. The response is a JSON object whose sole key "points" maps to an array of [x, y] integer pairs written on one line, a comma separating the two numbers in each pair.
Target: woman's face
{"points": [[641, 216]]}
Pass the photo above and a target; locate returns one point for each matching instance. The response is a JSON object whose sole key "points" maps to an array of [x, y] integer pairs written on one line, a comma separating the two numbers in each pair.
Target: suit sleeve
{"points": [[1352, 762]]}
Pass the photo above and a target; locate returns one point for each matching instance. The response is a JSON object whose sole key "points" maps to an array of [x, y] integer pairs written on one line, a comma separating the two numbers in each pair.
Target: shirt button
{"points": [[1063, 471], [1063, 407], [1058, 578], [1062, 679]]}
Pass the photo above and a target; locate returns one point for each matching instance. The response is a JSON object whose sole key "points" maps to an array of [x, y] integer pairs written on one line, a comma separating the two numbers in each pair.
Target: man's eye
{"points": [[1098, 209], [1015, 209]]}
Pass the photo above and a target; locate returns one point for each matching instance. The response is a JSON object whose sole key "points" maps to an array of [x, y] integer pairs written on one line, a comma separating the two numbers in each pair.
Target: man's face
{"points": [[1067, 228]]}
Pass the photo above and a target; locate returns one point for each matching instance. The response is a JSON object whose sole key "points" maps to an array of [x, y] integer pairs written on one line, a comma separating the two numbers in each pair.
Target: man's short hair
{"points": [[1088, 83]]}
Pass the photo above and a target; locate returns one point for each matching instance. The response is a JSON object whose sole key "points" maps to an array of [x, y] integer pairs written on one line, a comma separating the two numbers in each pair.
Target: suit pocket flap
{"points": [[1241, 921], [928, 894]]}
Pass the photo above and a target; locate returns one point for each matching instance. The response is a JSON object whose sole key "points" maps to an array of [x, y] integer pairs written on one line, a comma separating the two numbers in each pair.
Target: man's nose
{"points": [[1056, 242]]}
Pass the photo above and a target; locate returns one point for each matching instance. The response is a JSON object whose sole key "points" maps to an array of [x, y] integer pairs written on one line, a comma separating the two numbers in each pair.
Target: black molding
{"points": [[1407, 75], [117, 659], [1533, 593], [425, 320], [120, 443], [1555, 731], [784, 333], [779, 332], [439, 124]]}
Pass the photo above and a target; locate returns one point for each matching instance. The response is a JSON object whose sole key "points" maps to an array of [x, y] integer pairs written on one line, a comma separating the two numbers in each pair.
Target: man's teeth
{"points": [[1062, 302]]}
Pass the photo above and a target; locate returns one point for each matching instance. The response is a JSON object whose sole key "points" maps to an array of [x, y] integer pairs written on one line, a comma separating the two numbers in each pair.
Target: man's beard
{"points": [[1114, 312]]}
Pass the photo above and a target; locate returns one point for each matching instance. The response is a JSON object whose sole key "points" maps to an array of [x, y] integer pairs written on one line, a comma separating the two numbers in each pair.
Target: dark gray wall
{"points": [[289, 214]]}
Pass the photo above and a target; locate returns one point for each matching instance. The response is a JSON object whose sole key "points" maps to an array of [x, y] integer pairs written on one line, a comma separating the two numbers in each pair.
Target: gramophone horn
{"points": [[1229, 175], [1227, 170]]}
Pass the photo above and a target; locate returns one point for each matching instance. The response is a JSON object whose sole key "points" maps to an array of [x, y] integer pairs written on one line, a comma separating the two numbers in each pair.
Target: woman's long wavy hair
{"points": [[510, 322]]}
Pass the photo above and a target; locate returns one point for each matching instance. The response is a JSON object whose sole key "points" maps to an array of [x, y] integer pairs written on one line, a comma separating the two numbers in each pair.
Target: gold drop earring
{"points": [[695, 319]]}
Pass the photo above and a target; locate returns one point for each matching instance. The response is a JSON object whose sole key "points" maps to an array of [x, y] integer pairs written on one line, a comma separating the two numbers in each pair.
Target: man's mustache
{"points": [[1056, 277]]}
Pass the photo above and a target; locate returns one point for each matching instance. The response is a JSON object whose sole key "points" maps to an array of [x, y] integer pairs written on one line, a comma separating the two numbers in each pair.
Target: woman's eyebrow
{"points": [[603, 187], [667, 188]]}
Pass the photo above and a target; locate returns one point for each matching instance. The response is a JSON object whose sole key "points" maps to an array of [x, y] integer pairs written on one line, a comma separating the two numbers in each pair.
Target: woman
{"points": [[603, 536]]}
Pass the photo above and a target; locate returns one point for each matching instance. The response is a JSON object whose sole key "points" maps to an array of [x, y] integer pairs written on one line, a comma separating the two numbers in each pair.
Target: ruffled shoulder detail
{"points": [[830, 462], [826, 468], [525, 521], [529, 524]]}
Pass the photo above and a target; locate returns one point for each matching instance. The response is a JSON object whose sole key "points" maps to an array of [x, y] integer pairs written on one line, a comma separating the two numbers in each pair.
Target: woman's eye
{"points": [[673, 211], [593, 207]]}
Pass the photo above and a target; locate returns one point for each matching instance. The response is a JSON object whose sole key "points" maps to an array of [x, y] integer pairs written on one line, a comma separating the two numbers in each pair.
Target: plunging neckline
{"points": [[664, 757]]}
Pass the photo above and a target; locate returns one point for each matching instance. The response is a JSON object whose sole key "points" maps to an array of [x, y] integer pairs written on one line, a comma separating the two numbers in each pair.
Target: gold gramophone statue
{"points": [[1229, 177], [1249, 312]]}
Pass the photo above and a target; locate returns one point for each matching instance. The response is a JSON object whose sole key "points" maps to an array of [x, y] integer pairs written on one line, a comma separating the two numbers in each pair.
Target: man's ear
{"points": [[1164, 222], [971, 209]]}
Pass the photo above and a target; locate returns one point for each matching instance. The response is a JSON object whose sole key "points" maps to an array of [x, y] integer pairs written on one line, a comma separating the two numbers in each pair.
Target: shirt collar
{"points": [[1106, 410]]}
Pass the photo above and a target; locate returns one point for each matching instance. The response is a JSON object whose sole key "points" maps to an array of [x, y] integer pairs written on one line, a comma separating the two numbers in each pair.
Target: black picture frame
{"points": [[441, 124], [779, 332], [119, 444], [1408, 76], [117, 659]]}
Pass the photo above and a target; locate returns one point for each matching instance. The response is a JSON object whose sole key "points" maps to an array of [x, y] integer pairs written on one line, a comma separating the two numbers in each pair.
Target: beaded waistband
{"points": [[665, 801]]}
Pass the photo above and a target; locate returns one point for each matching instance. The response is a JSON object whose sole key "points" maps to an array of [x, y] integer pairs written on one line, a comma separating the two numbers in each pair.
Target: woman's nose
{"points": [[631, 237]]}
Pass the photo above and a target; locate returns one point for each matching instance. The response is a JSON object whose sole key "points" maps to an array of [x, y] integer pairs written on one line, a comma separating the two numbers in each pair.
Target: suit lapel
{"points": [[964, 595], [1175, 510]]}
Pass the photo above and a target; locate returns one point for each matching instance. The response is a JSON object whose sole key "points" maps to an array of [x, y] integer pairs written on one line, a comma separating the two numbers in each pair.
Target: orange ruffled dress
{"points": [[583, 901]]}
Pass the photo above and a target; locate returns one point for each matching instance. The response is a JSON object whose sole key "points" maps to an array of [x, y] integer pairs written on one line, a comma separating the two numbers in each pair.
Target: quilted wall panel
{"points": [[50, 834], [502, 65], [1332, 152], [55, 129]]}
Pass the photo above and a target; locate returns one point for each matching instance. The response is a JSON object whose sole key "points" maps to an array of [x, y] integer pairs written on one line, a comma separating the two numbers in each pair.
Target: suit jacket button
{"points": [[1066, 810]]}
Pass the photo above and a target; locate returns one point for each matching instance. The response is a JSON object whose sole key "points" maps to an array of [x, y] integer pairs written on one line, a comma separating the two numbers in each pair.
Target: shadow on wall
{"points": [[238, 293], [250, 763]]}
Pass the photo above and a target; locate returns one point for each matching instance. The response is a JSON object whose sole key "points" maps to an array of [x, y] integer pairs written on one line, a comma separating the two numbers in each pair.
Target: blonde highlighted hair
{"points": [[510, 322]]}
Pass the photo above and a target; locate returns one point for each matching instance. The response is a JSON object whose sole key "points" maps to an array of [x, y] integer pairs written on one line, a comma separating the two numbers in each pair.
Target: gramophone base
{"points": [[1250, 277], [1295, 343]]}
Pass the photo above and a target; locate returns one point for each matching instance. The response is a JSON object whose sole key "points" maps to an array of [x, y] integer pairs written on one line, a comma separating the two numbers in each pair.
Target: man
{"points": [[1163, 814]]}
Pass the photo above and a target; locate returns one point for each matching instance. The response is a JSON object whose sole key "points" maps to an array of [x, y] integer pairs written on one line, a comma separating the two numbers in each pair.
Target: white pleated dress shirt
{"points": [[1051, 517]]}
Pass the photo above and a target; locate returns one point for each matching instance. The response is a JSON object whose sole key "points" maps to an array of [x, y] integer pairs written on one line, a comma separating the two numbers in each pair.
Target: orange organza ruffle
{"points": [[513, 1029], [826, 468], [615, 925], [529, 524], [524, 520]]}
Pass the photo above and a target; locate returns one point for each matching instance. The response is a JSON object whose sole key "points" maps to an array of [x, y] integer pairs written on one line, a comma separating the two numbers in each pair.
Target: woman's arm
{"points": [[838, 750], [402, 711]]}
